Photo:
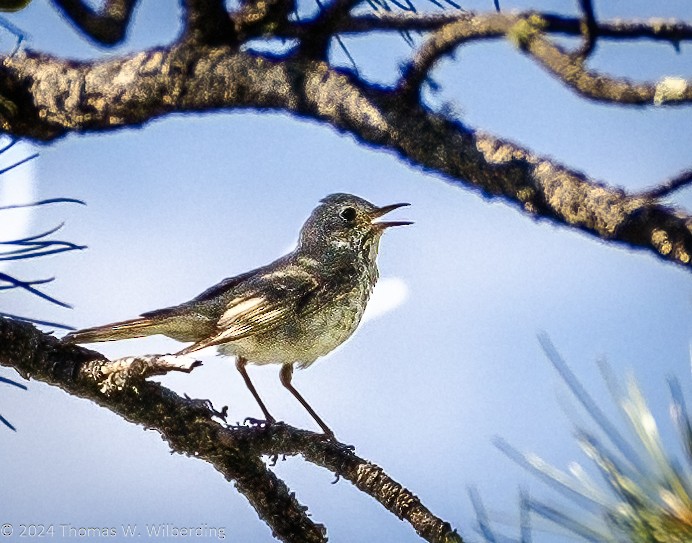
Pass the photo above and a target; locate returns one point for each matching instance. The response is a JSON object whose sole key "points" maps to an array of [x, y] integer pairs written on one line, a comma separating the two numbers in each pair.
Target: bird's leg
{"points": [[286, 375], [240, 364]]}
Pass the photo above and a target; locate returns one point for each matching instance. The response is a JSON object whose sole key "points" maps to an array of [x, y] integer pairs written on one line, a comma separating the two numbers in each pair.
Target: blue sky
{"points": [[185, 201]]}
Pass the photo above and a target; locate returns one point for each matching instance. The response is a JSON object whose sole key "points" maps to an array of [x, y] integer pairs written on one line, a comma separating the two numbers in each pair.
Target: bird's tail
{"points": [[118, 330]]}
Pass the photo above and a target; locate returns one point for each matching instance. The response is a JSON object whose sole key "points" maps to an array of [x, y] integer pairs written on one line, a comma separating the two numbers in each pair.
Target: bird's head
{"points": [[346, 223]]}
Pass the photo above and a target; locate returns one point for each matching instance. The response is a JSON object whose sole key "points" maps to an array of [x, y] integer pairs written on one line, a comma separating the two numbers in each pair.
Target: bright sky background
{"points": [[185, 201]]}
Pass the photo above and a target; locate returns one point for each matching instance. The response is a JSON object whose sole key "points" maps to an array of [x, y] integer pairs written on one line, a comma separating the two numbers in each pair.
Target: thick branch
{"points": [[57, 97], [185, 424], [366, 476], [188, 427]]}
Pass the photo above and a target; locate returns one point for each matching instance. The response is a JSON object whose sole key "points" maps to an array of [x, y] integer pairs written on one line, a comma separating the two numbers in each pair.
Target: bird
{"points": [[290, 312]]}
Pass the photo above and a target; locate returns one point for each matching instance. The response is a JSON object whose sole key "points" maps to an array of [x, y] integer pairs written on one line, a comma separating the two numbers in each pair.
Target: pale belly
{"points": [[315, 336]]}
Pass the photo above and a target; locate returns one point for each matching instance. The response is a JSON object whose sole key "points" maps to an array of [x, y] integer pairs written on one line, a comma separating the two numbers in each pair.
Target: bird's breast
{"points": [[309, 336]]}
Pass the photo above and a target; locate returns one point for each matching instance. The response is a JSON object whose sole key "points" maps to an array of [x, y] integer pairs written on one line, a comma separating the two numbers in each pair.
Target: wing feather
{"points": [[267, 302]]}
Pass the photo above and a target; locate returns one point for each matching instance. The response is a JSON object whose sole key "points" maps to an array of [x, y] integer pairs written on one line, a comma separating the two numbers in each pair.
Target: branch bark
{"points": [[188, 426]]}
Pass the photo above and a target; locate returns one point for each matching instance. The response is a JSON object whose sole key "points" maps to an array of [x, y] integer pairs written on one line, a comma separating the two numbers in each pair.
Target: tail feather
{"points": [[118, 330]]}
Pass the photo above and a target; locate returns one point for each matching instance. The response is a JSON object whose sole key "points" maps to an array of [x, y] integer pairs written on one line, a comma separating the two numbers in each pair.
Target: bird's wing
{"points": [[225, 285], [264, 303], [218, 290]]}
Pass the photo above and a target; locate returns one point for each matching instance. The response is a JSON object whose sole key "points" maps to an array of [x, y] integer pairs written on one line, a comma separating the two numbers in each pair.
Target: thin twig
{"points": [[7, 381], [315, 42], [589, 29], [338, 38], [680, 181], [672, 31]]}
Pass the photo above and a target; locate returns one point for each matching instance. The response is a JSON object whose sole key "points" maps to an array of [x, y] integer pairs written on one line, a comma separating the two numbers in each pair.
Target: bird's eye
{"points": [[348, 214]]}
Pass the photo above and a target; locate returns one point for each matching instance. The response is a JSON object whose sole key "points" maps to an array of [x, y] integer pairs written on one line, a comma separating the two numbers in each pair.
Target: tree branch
{"points": [[281, 439], [442, 42], [528, 33], [598, 87], [188, 427], [672, 31], [58, 97], [185, 424], [526, 29]]}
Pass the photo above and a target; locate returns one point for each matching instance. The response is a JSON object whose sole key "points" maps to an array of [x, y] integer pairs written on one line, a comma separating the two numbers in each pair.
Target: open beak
{"points": [[383, 211]]}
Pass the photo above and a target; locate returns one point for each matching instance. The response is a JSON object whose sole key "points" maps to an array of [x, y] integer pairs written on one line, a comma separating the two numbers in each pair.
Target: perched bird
{"points": [[290, 312]]}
